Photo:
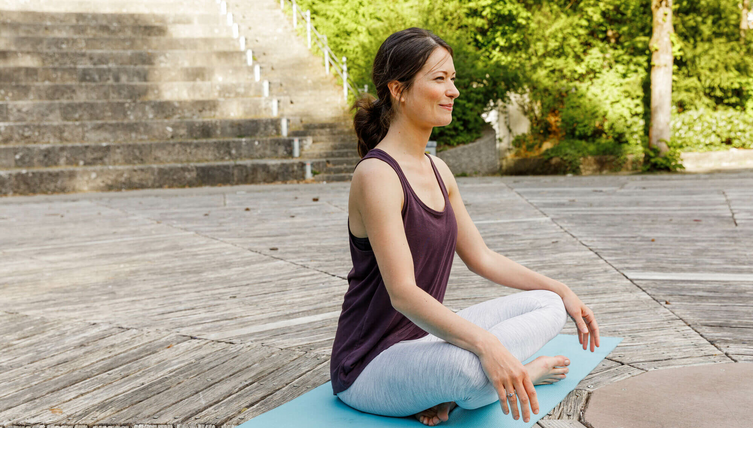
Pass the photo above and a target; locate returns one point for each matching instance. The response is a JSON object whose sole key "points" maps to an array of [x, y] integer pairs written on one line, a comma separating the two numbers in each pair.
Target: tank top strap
{"points": [[445, 192]]}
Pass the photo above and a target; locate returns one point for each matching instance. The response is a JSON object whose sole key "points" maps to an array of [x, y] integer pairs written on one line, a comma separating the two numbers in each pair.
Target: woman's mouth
{"points": [[447, 107]]}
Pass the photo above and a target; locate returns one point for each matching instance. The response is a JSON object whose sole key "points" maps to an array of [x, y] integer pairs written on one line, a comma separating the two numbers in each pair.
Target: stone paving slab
{"points": [[708, 396], [262, 268]]}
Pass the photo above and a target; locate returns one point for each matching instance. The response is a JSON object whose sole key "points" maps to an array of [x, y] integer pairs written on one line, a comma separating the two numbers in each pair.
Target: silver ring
{"points": [[510, 395]]}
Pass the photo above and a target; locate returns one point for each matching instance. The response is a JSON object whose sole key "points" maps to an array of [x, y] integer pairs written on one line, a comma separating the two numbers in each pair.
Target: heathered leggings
{"points": [[414, 375]]}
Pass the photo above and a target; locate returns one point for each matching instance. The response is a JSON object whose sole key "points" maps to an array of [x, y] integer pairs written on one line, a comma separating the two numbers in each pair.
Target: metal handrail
{"points": [[329, 55]]}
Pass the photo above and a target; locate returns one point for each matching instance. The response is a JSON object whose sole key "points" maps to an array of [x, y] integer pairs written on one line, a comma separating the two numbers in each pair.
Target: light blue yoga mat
{"points": [[318, 408]]}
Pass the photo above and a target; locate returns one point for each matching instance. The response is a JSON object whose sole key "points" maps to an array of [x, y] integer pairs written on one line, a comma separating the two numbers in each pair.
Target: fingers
{"points": [[513, 401], [533, 399], [594, 328], [522, 395], [503, 399]]}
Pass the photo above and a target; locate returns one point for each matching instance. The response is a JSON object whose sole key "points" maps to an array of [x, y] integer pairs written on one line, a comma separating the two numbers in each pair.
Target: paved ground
{"points": [[209, 306]]}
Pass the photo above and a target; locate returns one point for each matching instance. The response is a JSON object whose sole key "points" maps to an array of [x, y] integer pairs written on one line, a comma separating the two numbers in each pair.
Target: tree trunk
{"points": [[744, 24], [661, 74]]}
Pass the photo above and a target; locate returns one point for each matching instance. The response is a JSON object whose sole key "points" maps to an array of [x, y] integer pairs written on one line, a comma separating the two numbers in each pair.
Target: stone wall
{"points": [[480, 157]]}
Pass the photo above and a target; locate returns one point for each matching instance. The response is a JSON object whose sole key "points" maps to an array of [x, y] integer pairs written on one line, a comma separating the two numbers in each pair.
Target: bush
{"points": [[570, 151], [704, 130]]}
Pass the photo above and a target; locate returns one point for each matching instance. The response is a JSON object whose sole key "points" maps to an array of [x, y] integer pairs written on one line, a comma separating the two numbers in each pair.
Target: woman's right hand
{"points": [[507, 374]]}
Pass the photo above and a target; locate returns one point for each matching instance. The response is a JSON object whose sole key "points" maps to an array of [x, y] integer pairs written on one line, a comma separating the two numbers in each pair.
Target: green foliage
{"points": [[714, 70], [670, 162], [583, 65], [582, 68], [570, 152], [705, 130]]}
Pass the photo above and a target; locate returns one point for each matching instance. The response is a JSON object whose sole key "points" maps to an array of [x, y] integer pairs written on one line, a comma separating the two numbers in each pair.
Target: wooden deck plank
{"points": [[137, 389], [199, 390], [58, 406], [152, 342]]}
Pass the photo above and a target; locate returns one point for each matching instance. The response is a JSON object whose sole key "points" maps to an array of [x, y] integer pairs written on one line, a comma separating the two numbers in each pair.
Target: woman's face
{"points": [[429, 101]]}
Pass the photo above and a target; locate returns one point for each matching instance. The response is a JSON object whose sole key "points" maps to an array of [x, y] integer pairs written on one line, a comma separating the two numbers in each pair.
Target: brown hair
{"points": [[400, 57]]}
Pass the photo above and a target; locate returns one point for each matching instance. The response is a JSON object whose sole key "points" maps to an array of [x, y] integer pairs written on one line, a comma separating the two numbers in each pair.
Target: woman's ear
{"points": [[395, 89]]}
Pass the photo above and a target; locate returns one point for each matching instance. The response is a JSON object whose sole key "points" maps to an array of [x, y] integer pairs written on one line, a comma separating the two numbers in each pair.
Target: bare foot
{"points": [[547, 369], [436, 414]]}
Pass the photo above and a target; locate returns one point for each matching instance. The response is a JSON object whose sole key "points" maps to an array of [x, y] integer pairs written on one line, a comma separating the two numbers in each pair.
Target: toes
{"points": [[562, 361]]}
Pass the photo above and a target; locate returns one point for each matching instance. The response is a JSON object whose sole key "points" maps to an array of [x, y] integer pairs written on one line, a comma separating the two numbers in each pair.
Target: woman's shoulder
{"points": [[373, 179], [369, 168]]}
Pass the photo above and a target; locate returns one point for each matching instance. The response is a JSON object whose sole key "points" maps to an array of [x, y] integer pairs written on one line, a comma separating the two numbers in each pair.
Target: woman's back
{"points": [[368, 323]]}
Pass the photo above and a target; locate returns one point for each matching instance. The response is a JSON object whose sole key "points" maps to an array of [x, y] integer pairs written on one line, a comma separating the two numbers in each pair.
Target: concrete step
{"points": [[350, 152], [88, 31], [339, 162], [8, 16], [334, 146], [132, 153], [331, 126], [126, 74], [128, 111], [333, 177], [152, 176], [169, 58], [117, 43], [327, 134], [188, 90], [152, 130], [109, 7]]}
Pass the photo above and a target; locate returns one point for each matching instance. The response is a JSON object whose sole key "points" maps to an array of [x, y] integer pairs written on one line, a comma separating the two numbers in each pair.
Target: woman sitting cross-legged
{"points": [[398, 351]]}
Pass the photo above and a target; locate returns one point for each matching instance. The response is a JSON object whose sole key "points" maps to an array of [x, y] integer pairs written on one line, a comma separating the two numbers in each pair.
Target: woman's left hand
{"points": [[584, 320]]}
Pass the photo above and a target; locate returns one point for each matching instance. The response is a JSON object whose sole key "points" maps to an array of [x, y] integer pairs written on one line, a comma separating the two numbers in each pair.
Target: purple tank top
{"points": [[368, 323]]}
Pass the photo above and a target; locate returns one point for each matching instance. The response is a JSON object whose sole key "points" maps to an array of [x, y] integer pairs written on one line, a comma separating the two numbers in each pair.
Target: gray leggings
{"points": [[414, 375]]}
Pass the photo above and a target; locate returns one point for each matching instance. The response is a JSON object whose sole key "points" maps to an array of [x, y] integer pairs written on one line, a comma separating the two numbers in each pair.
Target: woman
{"points": [[398, 350]]}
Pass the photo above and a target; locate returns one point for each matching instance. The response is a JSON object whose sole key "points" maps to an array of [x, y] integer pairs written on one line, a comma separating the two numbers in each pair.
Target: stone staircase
{"points": [[102, 95]]}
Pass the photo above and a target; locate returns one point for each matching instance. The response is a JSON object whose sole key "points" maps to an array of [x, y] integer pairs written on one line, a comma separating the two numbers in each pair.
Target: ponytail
{"points": [[371, 122]]}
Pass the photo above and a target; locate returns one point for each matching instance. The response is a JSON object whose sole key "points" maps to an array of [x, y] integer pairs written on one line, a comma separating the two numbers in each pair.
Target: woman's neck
{"points": [[406, 140]]}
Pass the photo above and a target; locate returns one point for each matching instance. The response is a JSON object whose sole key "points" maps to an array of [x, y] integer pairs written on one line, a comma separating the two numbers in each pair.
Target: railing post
{"points": [[257, 72], [242, 42], [295, 16], [282, 4], [308, 170], [249, 57], [326, 56], [274, 107], [236, 30], [230, 20], [284, 126], [345, 80], [296, 148], [223, 8], [265, 88], [308, 26]]}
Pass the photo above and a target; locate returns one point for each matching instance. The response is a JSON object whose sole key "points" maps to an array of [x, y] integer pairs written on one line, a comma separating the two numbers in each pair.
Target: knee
{"points": [[551, 300], [473, 378]]}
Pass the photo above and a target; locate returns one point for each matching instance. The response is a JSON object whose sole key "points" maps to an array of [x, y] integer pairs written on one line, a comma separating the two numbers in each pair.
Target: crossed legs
{"points": [[413, 376]]}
